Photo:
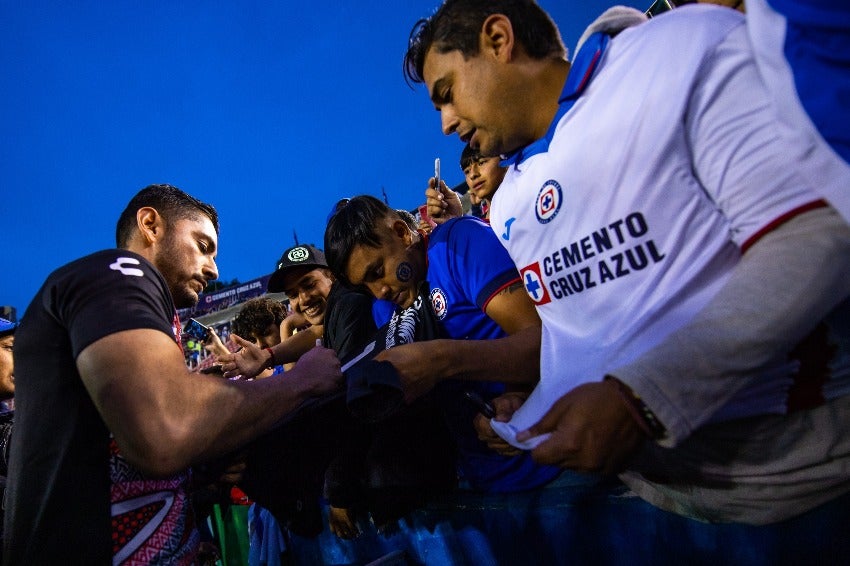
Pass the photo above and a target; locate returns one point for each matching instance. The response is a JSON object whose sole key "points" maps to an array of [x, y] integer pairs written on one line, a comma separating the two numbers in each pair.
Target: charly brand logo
{"points": [[438, 301], [549, 201], [121, 264], [298, 254]]}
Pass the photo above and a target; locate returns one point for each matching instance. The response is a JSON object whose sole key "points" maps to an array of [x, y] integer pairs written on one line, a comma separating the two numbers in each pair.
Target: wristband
{"points": [[644, 416], [271, 363]]}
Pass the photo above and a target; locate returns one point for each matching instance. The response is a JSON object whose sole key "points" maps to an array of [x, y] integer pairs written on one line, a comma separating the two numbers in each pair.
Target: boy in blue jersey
{"points": [[475, 292]]}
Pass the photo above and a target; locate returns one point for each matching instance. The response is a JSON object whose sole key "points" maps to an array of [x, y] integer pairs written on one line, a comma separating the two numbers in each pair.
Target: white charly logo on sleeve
{"points": [[121, 265]]}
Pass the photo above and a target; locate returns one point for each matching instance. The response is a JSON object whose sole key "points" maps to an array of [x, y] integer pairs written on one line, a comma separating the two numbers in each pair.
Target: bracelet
{"points": [[644, 416], [271, 363]]}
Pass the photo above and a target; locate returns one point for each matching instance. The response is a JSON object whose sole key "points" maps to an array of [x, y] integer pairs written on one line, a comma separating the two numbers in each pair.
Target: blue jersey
{"points": [[467, 267], [817, 48]]}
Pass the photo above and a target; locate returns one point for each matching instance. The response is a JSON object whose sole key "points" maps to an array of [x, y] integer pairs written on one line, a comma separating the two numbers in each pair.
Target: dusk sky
{"points": [[271, 111]]}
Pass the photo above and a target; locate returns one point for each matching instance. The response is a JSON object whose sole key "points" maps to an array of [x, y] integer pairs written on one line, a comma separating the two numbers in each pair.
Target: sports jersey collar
{"points": [[583, 66]]}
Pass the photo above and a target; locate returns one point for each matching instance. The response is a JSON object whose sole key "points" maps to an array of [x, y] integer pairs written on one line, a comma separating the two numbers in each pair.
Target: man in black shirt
{"points": [[109, 419]]}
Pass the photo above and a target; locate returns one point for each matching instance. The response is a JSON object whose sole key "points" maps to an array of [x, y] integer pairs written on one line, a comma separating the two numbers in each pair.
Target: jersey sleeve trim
{"points": [[781, 220], [495, 287]]}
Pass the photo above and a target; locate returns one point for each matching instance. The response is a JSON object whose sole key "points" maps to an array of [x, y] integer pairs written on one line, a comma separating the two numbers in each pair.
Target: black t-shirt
{"points": [[348, 321], [58, 497]]}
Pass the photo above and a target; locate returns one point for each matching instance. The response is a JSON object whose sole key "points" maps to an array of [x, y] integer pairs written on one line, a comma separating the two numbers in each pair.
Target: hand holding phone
{"points": [[197, 330]]}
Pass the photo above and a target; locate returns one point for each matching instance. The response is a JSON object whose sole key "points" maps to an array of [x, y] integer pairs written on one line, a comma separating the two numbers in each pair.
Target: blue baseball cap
{"points": [[7, 326]]}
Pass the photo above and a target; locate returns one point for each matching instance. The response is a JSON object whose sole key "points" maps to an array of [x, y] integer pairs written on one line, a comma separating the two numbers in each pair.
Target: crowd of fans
{"points": [[635, 301]]}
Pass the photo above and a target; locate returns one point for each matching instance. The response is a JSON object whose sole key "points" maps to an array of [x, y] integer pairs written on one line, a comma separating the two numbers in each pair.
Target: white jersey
{"points": [[651, 185]]}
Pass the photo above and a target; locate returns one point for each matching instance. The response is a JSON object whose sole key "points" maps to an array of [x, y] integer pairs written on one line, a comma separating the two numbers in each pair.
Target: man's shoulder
{"points": [[341, 298], [99, 263], [684, 27], [112, 272], [459, 229]]}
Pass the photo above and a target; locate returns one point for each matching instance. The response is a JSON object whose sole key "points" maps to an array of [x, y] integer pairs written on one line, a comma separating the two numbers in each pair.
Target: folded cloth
{"points": [[374, 390]]}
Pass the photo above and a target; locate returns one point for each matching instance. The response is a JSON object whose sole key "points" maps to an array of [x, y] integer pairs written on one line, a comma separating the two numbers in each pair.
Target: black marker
{"points": [[483, 406]]}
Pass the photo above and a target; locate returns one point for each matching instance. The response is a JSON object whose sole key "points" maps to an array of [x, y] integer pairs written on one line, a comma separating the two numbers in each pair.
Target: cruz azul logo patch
{"points": [[438, 301], [548, 202], [534, 285]]}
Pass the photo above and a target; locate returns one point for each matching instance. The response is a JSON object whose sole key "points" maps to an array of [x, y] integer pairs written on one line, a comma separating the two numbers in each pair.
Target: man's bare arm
{"points": [[513, 359], [251, 360], [165, 418]]}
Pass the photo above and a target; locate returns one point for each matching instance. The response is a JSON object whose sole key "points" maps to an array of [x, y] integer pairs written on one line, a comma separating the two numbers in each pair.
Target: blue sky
{"points": [[269, 110]]}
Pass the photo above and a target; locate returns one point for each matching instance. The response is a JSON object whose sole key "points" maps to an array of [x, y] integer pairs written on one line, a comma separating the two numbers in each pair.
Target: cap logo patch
{"points": [[297, 255]]}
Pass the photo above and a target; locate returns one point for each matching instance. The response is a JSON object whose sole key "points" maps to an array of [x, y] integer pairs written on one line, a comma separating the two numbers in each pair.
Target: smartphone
{"points": [[197, 330], [437, 173], [659, 7], [483, 406]]}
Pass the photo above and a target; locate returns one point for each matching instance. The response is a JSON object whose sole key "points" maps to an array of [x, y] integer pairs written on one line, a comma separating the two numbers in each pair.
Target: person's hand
{"points": [[219, 475], [415, 364], [293, 321], [247, 362], [424, 226], [320, 370], [592, 430], [343, 523], [443, 203], [214, 345], [505, 406], [233, 471]]}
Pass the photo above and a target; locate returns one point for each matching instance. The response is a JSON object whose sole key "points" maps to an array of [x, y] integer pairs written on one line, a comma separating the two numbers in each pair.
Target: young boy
{"points": [[475, 292]]}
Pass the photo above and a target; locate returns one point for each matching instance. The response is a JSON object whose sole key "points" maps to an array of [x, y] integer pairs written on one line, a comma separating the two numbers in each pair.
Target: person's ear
{"points": [[497, 37], [150, 224], [402, 230]]}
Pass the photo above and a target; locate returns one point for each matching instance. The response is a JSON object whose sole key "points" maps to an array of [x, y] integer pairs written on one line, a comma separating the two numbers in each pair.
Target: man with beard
{"points": [[707, 337], [109, 419]]}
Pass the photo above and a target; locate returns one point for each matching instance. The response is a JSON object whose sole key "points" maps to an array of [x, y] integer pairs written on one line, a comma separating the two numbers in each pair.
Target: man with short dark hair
{"points": [[676, 248], [491, 327], [109, 419], [360, 456]]}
